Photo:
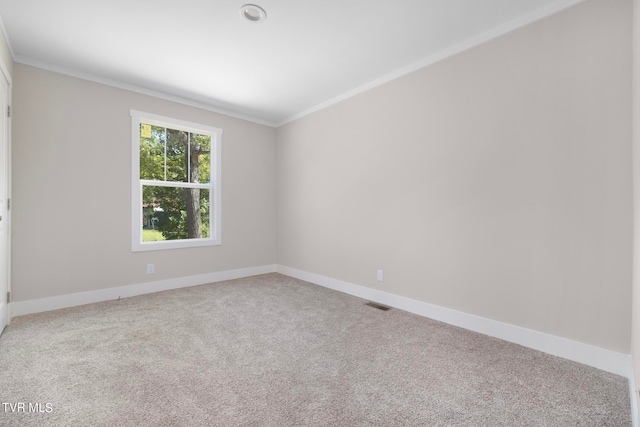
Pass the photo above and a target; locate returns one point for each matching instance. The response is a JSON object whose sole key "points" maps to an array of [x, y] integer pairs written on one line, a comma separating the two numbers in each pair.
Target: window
{"points": [[175, 183]]}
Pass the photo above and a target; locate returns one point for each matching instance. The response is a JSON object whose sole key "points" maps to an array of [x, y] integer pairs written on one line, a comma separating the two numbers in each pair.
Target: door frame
{"points": [[6, 75]]}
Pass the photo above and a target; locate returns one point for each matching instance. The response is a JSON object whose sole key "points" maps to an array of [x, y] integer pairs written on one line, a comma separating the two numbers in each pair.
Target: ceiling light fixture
{"points": [[253, 13]]}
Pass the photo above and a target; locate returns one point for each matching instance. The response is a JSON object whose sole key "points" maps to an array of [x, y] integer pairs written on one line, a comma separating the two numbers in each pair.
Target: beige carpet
{"points": [[274, 351]]}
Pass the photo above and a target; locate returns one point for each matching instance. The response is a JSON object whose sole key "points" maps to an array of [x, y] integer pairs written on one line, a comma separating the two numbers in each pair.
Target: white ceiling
{"points": [[308, 53]]}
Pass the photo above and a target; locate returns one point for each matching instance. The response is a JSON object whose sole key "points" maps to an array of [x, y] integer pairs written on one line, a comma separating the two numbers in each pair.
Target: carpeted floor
{"points": [[275, 351]]}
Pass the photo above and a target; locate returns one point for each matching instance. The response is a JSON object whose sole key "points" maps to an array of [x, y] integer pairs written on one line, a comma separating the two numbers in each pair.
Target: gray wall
{"points": [[496, 182], [72, 189]]}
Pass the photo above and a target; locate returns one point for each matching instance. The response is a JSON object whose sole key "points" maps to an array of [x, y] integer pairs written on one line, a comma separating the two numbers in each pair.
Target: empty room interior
{"points": [[320, 212]]}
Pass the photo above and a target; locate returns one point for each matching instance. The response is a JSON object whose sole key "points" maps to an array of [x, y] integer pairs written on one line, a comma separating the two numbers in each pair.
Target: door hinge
{"points": [[8, 297], [8, 110], [8, 204]]}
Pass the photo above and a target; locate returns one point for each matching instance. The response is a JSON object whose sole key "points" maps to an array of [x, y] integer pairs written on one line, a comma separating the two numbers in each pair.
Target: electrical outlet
{"points": [[380, 276], [151, 268]]}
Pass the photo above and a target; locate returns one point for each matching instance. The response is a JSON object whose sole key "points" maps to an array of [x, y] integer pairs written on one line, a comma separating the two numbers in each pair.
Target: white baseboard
{"points": [[606, 360], [596, 357], [20, 308]]}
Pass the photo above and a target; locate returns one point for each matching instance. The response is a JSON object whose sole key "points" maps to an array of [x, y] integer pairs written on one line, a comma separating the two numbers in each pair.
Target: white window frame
{"points": [[215, 196]]}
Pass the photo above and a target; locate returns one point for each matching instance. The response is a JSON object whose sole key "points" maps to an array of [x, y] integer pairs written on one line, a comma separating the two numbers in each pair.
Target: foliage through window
{"points": [[176, 176]]}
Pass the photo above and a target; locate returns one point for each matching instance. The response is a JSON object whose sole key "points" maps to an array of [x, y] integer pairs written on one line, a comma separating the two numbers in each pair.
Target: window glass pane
{"points": [[200, 150], [177, 143], [171, 213], [151, 152]]}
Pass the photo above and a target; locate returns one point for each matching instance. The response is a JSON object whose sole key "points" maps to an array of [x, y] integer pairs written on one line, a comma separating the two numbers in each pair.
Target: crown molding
{"points": [[138, 89], [496, 32]]}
